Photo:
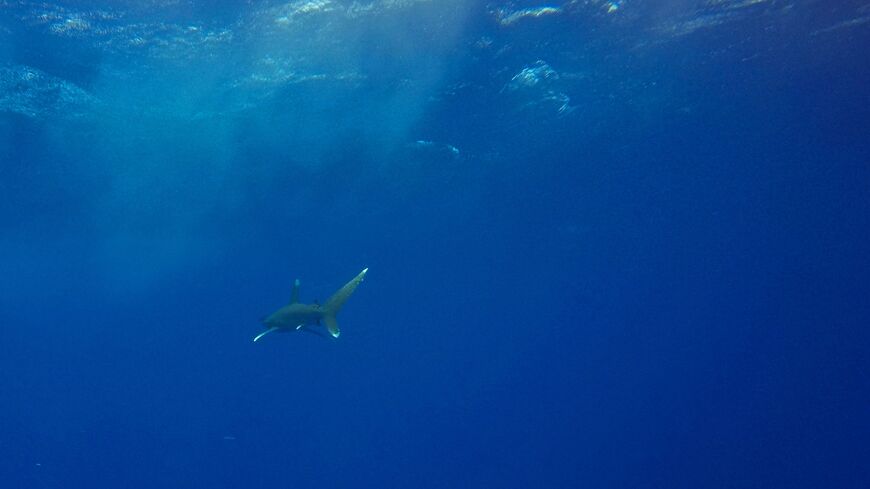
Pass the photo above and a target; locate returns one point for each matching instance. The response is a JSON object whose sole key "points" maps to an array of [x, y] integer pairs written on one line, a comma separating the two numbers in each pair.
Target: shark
{"points": [[297, 316]]}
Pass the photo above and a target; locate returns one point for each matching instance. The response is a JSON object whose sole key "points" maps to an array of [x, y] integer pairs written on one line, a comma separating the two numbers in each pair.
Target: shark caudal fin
{"points": [[331, 325], [334, 303]]}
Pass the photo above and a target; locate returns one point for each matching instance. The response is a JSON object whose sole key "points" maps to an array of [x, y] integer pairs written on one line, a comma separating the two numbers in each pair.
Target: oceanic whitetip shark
{"points": [[302, 317]]}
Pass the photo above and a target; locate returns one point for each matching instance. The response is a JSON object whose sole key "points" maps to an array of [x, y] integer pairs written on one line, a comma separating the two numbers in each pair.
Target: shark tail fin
{"points": [[334, 303], [331, 325]]}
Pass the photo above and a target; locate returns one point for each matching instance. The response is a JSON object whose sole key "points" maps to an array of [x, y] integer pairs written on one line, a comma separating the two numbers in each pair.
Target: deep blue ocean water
{"points": [[611, 244]]}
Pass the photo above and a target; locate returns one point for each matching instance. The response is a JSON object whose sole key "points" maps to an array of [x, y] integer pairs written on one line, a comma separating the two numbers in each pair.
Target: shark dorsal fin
{"points": [[294, 296]]}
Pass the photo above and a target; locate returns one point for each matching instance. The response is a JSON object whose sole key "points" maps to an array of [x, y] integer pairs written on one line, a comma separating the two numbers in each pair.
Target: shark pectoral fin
{"points": [[331, 325], [264, 333]]}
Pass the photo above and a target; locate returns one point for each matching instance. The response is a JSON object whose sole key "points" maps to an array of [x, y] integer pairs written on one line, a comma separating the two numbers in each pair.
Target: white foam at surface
{"points": [[508, 17]]}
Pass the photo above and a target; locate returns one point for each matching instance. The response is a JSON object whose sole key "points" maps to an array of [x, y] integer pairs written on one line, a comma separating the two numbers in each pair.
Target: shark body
{"points": [[297, 316]]}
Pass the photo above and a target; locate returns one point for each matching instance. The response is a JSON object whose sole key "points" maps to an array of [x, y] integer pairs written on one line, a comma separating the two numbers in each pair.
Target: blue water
{"points": [[611, 244]]}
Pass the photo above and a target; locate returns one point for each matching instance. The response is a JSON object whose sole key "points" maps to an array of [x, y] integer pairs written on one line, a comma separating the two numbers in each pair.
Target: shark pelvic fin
{"points": [[264, 333], [306, 329]]}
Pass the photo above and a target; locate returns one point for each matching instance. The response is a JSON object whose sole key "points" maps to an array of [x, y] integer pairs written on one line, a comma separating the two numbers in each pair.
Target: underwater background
{"points": [[611, 244]]}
